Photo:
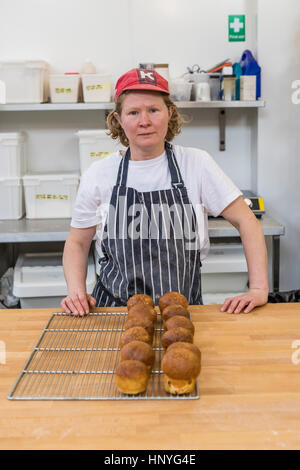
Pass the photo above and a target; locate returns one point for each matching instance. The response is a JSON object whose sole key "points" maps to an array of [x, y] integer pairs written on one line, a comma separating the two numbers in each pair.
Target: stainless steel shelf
{"points": [[48, 230], [220, 104], [223, 228], [34, 230], [110, 105]]}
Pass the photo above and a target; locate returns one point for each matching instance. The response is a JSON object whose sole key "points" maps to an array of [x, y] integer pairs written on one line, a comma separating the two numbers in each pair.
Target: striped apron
{"points": [[150, 242]]}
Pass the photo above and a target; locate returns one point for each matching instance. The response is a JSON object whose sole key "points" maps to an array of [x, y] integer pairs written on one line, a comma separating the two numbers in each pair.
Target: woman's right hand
{"points": [[78, 303]]}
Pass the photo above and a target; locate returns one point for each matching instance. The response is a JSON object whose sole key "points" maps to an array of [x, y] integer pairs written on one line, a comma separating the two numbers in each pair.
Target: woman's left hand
{"points": [[245, 302]]}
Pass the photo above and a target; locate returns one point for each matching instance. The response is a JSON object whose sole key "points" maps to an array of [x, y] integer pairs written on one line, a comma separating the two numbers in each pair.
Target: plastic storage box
{"points": [[95, 144], [96, 87], [224, 270], [25, 81], [180, 90], [39, 280], [11, 198], [50, 195], [65, 88], [12, 154]]}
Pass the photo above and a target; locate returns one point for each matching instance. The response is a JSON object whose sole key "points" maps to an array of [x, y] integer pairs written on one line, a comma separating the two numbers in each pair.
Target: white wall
{"points": [[119, 34], [278, 127]]}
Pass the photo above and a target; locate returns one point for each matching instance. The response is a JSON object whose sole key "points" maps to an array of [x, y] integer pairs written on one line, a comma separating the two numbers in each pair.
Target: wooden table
{"points": [[249, 391]]}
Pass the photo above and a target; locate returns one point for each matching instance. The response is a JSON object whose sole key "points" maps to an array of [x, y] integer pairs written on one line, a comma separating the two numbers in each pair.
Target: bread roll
{"points": [[138, 351], [131, 377], [181, 368], [170, 298], [139, 298], [136, 333], [181, 344], [178, 321], [138, 320], [143, 310], [176, 334], [174, 310]]}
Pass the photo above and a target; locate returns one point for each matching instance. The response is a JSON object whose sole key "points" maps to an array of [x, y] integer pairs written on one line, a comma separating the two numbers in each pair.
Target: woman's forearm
{"points": [[75, 260], [255, 251]]}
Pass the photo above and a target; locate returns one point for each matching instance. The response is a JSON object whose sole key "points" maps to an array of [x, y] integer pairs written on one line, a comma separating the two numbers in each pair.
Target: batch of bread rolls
{"points": [[181, 361]]}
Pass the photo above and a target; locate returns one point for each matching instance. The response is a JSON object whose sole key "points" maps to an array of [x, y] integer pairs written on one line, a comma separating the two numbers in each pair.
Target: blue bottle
{"points": [[250, 67]]}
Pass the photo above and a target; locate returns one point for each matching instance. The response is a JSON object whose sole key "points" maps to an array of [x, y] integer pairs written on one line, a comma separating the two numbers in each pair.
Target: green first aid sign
{"points": [[236, 28]]}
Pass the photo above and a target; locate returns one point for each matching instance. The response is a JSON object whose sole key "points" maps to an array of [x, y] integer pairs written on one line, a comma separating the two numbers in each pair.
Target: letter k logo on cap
{"points": [[146, 76]]}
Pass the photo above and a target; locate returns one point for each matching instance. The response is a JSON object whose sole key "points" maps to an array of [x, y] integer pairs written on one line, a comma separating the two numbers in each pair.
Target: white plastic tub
{"points": [[93, 145], [50, 195], [224, 270], [25, 81], [39, 280], [64, 88], [11, 198], [96, 87], [180, 90], [12, 154]]}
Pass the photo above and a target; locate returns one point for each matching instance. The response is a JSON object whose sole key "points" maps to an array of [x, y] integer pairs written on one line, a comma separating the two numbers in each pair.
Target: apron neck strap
{"points": [[123, 169], [176, 178]]}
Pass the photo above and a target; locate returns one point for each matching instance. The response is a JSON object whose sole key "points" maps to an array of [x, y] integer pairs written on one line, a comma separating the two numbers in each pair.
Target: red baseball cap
{"points": [[141, 79]]}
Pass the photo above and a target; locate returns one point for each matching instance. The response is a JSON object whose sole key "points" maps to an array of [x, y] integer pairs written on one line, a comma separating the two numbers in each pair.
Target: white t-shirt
{"points": [[210, 190]]}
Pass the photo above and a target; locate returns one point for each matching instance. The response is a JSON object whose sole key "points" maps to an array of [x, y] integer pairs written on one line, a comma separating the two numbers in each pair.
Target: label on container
{"points": [[236, 28], [99, 154], [103, 86], [63, 90], [61, 197]]}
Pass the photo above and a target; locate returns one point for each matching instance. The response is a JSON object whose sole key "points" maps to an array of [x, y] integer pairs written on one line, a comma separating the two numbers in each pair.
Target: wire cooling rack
{"points": [[75, 359]]}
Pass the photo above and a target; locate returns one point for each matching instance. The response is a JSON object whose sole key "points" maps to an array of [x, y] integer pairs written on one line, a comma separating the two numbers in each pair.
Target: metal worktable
{"points": [[55, 230]]}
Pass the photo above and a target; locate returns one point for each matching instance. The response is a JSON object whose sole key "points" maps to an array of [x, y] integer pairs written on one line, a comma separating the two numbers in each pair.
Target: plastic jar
{"points": [[180, 90], [201, 89], [229, 88], [214, 81]]}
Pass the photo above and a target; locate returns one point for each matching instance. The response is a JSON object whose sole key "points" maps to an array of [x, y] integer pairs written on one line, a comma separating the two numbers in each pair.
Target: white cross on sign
{"points": [[236, 25]]}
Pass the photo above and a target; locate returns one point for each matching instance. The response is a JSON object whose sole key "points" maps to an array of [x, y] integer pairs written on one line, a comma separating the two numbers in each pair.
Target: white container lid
{"points": [[10, 180], [51, 176], [12, 137], [41, 275], [64, 75], [92, 133], [25, 63], [97, 75]]}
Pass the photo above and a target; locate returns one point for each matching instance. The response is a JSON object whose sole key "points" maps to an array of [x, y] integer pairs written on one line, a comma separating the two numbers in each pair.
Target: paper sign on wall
{"points": [[236, 28]]}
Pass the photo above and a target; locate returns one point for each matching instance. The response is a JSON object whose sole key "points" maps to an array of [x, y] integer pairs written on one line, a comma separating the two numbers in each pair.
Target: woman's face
{"points": [[144, 119]]}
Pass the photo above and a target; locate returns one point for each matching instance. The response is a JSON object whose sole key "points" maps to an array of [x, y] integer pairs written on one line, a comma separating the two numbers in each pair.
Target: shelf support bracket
{"points": [[222, 125]]}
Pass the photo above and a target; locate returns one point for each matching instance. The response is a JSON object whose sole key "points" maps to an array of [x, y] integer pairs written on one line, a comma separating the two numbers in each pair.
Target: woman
{"points": [[151, 233]]}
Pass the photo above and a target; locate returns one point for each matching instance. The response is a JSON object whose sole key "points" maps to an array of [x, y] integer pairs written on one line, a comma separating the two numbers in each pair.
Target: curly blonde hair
{"points": [[116, 131]]}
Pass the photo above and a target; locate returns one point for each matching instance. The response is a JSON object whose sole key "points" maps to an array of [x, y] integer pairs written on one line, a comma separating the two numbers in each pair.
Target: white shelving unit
{"points": [[110, 105]]}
